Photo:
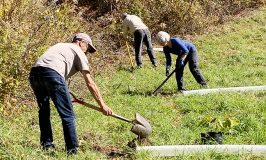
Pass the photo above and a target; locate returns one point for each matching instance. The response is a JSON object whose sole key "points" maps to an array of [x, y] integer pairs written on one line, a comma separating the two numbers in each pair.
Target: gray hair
{"points": [[124, 15], [162, 37]]}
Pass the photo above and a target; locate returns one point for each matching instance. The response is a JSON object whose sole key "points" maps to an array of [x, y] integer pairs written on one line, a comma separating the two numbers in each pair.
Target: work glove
{"points": [[167, 71], [180, 63]]}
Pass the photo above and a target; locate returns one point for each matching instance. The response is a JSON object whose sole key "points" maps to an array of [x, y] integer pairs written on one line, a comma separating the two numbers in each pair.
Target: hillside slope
{"points": [[232, 54]]}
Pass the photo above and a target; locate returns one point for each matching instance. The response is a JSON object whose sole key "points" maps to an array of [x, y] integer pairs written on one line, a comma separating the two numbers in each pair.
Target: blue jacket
{"points": [[179, 47]]}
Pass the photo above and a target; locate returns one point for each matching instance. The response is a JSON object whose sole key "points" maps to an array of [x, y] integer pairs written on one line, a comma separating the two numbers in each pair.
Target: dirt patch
{"points": [[139, 142], [97, 145], [121, 152], [111, 151]]}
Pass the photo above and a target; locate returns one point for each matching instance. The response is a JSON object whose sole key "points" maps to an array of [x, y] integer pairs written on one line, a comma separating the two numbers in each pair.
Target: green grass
{"points": [[231, 55]]}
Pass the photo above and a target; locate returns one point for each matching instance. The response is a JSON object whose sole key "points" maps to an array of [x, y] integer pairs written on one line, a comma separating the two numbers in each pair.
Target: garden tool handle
{"points": [[130, 58], [121, 118], [157, 89], [98, 109]]}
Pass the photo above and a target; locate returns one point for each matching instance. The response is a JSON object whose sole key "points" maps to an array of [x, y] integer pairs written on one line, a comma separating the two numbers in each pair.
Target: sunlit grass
{"points": [[232, 55]]}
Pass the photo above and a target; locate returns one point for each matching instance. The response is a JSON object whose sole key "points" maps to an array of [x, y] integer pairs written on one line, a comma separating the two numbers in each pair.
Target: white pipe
{"points": [[158, 49], [189, 149], [206, 91]]}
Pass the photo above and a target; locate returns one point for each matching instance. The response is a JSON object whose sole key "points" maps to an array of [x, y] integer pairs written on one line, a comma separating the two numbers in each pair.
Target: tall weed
{"points": [[27, 28]]}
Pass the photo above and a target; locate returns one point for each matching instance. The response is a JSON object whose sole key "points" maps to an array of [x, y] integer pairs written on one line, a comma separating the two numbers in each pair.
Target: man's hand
{"points": [[106, 110], [180, 63]]}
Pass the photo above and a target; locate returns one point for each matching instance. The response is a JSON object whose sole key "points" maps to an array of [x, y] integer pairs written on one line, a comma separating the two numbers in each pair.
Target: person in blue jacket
{"points": [[186, 52]]}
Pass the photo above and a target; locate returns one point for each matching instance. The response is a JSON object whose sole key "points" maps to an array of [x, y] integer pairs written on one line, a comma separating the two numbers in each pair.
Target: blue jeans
{"points": [[47, 83], [193, 62]]}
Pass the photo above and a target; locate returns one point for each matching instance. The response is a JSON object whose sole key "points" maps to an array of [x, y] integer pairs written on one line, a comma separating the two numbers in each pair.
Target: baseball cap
{"points": [[87, 39]]}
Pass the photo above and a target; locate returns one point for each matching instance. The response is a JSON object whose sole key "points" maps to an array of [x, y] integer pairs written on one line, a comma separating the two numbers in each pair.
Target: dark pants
{"points": [[193, 62], [140, 36], [47, 83]]}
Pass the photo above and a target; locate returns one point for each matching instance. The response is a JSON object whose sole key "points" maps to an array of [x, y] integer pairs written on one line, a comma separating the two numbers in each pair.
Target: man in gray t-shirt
{"points": [[48, 80]]}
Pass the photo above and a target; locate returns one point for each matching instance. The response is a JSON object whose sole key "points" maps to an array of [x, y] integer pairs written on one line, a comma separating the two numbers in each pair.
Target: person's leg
{"points": [[148, 43], [41, 94], [59, 94], [138, 39], [194, 68], [179, 76]]}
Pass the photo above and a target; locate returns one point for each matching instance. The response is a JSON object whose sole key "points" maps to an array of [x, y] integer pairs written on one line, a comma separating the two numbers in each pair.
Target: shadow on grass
{"points": [[112, 152], [127, 69], [150, 93], [95, 143], [130, 150]]}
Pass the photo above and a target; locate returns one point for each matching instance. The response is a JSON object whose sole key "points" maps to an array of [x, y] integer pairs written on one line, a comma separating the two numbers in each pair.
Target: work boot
{"points": [[204, 86], [72, 151], [139, 66], [48, 146], [181, 90]]}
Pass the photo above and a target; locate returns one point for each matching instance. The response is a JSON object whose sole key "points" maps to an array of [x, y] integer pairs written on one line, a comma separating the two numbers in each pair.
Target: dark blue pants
{"points": [[193, 62], [140, 36], [47, 83]]}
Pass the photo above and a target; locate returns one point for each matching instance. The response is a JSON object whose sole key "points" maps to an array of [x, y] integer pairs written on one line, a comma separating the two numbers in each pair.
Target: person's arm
{"points": [[168, 60], [167, 57], [96, 93], [183, 49]]}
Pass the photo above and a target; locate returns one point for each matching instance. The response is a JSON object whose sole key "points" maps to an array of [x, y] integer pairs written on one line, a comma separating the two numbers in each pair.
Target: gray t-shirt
{"points": [[65, 58], [132, 22]]}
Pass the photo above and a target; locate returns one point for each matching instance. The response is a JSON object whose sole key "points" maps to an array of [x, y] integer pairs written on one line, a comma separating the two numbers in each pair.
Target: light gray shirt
{"points": [[132, 23], [65, 58]]}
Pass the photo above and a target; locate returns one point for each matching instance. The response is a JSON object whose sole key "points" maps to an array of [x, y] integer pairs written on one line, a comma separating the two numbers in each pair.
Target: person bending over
{"points": [[186, 53]]}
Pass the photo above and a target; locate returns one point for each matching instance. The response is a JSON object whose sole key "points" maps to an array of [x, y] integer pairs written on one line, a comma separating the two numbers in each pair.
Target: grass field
{"points": [[231, 55]]}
